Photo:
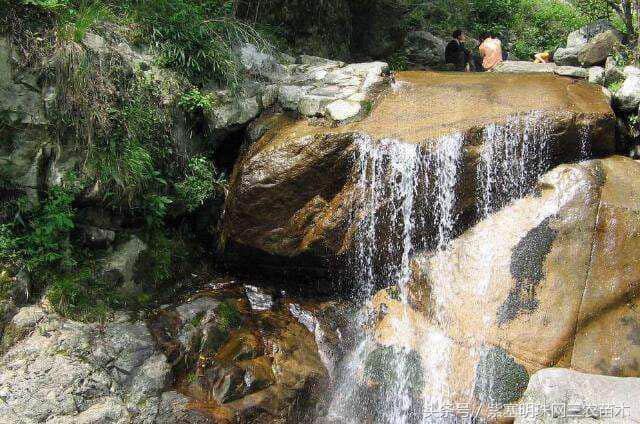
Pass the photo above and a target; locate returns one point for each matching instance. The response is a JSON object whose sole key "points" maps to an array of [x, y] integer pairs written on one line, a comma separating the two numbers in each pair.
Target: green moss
{"points": [[228, 316]]}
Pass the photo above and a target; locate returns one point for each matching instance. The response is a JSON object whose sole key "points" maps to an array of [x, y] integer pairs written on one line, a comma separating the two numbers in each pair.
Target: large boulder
{"points": [[567, 56], [557, 395], [627, 98], [292, 194], [585, 34], [424, 49], [596, 51], [550, 280], [589, 45]]}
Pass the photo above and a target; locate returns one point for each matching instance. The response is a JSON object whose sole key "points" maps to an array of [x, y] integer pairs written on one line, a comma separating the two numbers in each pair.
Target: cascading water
{"points": [[407, 202], [515, 154]]}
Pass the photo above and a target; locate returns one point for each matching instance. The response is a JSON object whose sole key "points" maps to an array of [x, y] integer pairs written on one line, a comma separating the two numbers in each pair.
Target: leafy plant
{"points": [[47, 228], [196, 38], [194, 101], [202, 182], [615, 86], [77, 21], [228, 316]]}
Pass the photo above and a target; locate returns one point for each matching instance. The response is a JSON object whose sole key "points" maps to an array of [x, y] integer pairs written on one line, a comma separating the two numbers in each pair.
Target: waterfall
{"points": [[407, 200], [514, 155]]}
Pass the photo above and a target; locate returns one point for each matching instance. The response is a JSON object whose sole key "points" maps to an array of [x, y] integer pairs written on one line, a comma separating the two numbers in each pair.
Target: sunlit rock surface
{"points": [[559, 395], [550, 280], [292, 192]]}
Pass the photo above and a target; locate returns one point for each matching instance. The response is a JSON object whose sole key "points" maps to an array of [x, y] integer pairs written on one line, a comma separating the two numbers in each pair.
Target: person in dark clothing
{"points": [[456, 53]]}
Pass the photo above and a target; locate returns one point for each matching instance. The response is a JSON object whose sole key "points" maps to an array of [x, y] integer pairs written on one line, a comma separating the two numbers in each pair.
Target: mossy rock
{"points": [[381, 368], [499, 378]]}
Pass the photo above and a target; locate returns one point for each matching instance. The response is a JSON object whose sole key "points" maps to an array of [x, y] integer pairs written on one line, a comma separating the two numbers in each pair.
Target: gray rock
{"points": [[522, 67], [269, 95], [425, 49], [585, 398], [313, 105], [27, 318], [613, 74], [96, 237], [235, 112], [289, 96], [259, 299], [367, 69], [342, 109], [188, 311], [69, 372], [627, 98], [596, 51], [95, 43], [631, 70], [572, 71], [585, 34], [261, 64], [119, 266], [567, 57], [23, 103], [174, 409], [134, 59], [596, 75], [314, 60]]}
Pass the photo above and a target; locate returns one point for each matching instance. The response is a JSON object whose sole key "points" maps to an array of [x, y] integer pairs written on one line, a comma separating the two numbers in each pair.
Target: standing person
{"points": [[456, 53], [491, 52]]}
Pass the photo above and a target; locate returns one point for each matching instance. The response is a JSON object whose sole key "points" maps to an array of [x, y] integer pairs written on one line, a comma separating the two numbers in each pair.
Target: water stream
{"points": [[408, 201]]}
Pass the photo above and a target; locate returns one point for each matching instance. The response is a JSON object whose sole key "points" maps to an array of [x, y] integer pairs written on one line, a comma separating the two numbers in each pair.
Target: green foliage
{"points": [[47, 4], [76, 21], [44, 237], [194, 101], [228, 316], [543, 25], [202, 182], [398, 61], [525, 26], [79, 296], [615, 86], [195, 38]]}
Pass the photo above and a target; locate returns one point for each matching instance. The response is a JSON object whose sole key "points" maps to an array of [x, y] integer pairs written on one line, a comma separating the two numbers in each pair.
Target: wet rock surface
{"points": [[211, 359], [244, 355], [554, 288], [292, 193]]}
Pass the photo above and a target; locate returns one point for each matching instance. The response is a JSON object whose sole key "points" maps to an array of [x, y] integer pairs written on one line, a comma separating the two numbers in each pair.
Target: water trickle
{"points": [[514, 155], [585, 142]]}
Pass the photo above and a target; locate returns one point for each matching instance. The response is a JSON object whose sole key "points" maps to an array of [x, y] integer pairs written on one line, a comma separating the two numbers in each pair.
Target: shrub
{"points": [[196, 38], [194, 101], [46, 230], [202, 182]]}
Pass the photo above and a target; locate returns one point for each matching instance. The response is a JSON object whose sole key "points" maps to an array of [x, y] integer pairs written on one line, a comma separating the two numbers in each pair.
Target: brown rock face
{"points": [[550, 280], [292, 195]]}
